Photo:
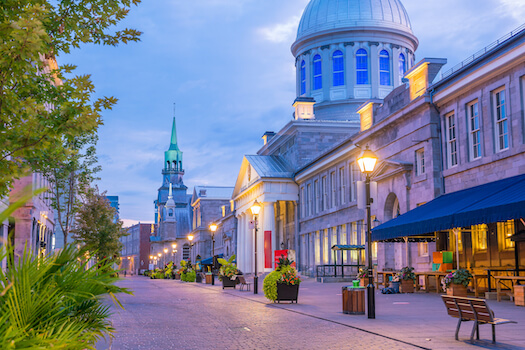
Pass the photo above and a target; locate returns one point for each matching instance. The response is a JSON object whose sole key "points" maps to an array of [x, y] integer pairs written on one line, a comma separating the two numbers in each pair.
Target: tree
{"points": [[97, 229], [43, 107]]}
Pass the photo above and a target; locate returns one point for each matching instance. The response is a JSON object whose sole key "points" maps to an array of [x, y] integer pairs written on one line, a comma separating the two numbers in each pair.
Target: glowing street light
{"points": [[255, 208], [367, 162], [190, 238], [213, 228]]}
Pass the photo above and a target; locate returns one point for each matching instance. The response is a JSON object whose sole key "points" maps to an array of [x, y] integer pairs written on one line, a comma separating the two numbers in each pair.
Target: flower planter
{"points": [[177, 276], [286, 292], [228, 283], [407, 286], [209, 278], [457, 290], [363, 282]]}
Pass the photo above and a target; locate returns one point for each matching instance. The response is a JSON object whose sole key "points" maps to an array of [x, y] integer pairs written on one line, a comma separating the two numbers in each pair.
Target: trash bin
{"points": [[354, 300]]}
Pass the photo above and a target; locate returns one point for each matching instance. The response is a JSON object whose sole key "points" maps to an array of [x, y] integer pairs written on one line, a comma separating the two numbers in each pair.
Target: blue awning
{"points": [[347, 247], [209, 261], [493, 202]]}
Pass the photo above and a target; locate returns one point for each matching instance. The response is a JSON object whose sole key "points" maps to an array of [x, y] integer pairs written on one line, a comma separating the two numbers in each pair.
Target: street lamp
{"points": [[213, 228], [256, 208], [165, 255], [174, 245], [367, 162], [190, 238]]}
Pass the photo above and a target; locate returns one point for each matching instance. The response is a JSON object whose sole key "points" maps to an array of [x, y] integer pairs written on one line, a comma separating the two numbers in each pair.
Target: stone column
{"points": [[240, 242], [268, 224], [249, 243], [374, 68]]}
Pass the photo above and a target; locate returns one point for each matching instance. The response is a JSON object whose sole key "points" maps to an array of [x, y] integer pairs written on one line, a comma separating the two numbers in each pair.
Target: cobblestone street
{"points": [[166, 314]]}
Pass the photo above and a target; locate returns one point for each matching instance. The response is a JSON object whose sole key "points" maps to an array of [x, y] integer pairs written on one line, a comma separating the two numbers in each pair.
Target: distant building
{"points": [[135, 254], [208, 205], [113, 202], [172, 208]]}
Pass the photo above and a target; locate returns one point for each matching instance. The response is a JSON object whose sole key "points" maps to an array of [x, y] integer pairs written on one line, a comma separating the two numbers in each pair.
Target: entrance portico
{"points": [[267, 179]]}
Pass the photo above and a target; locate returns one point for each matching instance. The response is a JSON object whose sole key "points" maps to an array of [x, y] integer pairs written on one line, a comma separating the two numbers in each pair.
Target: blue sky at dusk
{"points": [[228, 67]]}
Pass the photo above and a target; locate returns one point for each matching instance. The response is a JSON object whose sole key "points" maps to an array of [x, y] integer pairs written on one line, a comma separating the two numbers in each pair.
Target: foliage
{"points": [[290, 277], [460, 276], [362, 273], [407, 273], [157, 274], [395, 278], [189, 276], [55, 301], [271, 280], [43, 106], [97, 228], [169, 271], [147, 273], [283, 262], [228, 268]]}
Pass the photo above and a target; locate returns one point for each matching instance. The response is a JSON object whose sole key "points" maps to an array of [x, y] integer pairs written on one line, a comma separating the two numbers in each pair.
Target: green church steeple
{"points": [[173, 156]]}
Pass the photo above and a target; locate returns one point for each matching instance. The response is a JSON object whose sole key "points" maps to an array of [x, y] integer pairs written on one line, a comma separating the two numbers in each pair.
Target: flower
{"points": [[395, 278], [362, 273], [289, 277], [407, 273], [460, 276]]}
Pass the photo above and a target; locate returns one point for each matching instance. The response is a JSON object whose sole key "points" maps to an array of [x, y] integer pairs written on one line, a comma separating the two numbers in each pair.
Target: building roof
{"points": [[270, 166], [212, 192], [321, 15]]}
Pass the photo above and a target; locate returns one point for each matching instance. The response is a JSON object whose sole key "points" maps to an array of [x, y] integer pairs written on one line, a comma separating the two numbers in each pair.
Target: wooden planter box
{"points": [[407, 286], [287, 292], [363, 282], [177, 276], [209, 278], [457, 290], [228, 283], [519, 295]]}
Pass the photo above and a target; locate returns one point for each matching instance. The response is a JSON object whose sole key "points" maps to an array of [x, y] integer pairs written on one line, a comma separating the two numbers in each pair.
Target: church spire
{"points": [[173, 145]]}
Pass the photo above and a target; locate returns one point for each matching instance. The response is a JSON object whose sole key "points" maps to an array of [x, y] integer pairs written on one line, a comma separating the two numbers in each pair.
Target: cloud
{"points": [[281, 32]]}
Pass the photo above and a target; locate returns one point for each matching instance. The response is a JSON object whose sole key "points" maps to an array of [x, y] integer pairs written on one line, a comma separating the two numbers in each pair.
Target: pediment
{"points": [[389, 168]]}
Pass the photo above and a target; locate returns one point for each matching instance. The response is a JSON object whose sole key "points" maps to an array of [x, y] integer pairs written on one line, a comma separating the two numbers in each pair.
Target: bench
{"points": [[472, 309], [243, 282]]}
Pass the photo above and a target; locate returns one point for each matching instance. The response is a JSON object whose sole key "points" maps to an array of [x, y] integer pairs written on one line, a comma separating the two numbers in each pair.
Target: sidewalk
{"points": [[419, 319]]}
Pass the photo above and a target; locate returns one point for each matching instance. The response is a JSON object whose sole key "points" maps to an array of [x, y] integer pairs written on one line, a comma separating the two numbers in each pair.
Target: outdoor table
{"points": [[475, 282], [513, 279], [385, 274], [427, 275]]}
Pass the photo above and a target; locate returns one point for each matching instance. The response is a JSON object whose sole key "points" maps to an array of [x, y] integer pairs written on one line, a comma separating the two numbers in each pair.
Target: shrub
{"points": [[271, 280], [189, 276], [228, 268], [460, 276], [407, 273]]}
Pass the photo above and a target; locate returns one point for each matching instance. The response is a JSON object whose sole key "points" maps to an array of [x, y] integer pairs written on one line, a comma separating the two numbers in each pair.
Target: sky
{"points": [[227, 66]]}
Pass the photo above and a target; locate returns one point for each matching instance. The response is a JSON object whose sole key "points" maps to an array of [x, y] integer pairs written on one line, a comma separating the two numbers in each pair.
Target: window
{"points": [[318, 73], [384, 68], [324, 198], [452, 148], [500, 121], [505, 231], [342, 187], [474, 139], [361, 66], [316, 196], [309, 195], [423, 248], [343, 240], [479, 237], [303, 203], [332, 184], [402, 67], [303, 77], [338, 68], [326, 249], [317, 248], [355, 175], [186, 251], [353, 241], [420, 162]]}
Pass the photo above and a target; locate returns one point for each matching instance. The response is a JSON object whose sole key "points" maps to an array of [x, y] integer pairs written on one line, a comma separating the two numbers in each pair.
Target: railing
{"points": [[482, 52], [337, 270]]}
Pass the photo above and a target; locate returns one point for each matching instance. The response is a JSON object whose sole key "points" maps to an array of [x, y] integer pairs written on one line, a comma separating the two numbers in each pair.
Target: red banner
{"points": [[268, 249]]}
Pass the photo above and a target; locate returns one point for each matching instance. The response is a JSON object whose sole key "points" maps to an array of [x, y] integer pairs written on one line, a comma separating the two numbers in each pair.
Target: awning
{"points": [[209, 261], [347, 247], [493, 202]]}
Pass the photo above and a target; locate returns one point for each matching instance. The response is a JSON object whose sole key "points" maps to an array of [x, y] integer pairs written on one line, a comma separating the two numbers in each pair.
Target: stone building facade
{"points": [[135, 253]]}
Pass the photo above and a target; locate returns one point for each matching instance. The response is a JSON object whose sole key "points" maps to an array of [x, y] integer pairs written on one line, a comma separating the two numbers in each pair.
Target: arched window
{"points": [[167, 165], [384, 68], [361, 66], [402, 66], [170, 212], [318, 73], [303, 78], [338, 68]]}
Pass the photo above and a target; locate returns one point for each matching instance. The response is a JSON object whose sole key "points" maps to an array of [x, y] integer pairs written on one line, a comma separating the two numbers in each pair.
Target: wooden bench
{"points": [[243, 282], [472, 309]]}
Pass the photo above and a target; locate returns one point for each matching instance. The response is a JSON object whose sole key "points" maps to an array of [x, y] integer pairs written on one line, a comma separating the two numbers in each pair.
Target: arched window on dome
{"points": [[384, 68], [338, 68], [402, 67], [361, 65], [303, 77], [318, 73]]}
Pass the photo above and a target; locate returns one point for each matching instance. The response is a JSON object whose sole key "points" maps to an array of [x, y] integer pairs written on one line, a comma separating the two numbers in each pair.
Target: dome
{"points": [[321, 15]]}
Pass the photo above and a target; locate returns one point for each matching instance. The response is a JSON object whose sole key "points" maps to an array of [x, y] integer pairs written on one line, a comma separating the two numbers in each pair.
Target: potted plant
{"points": [[228, 272], [395, 282], [283, 283], [407, 278], [362, 276], [456, 282]]}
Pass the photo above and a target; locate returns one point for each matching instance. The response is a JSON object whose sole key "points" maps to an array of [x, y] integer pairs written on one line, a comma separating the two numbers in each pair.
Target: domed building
{"points": [[351, 51]]}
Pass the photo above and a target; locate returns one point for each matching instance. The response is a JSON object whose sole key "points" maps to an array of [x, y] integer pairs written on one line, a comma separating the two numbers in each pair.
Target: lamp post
{"points": [[256, 208], [367, 162], [213, 228], [190, 238], [165, 255], [158, 260], [174, 245]]}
